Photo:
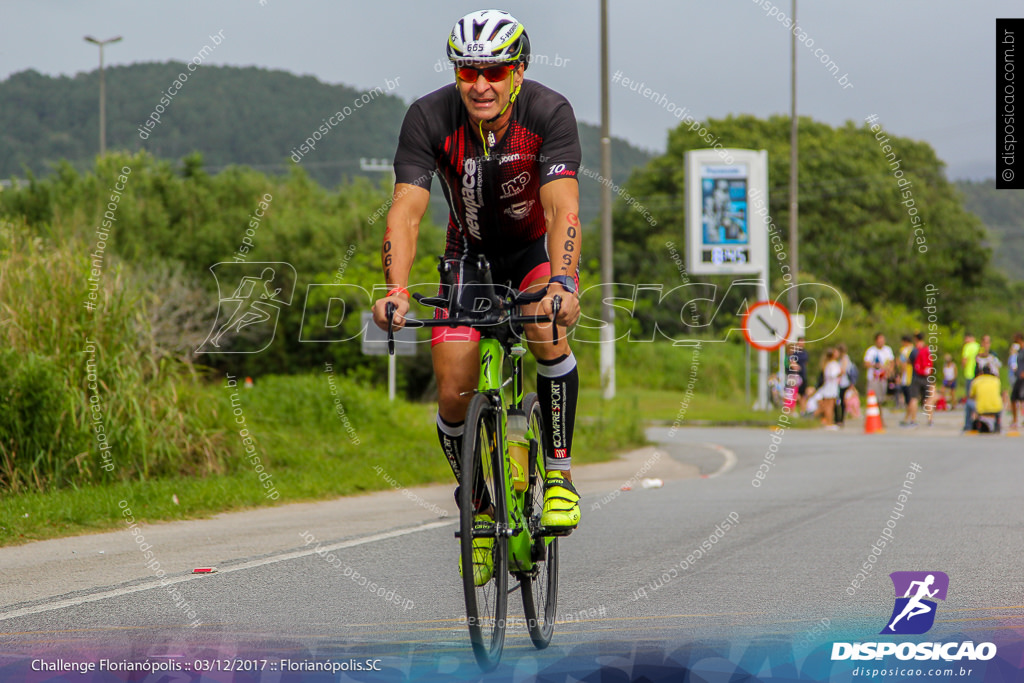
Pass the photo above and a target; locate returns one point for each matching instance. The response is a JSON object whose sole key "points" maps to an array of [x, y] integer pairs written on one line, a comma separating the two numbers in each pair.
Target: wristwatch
{"points": [[567, 282]]}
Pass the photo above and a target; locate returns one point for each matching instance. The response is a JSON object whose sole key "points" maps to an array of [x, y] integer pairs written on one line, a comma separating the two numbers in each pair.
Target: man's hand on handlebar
{"points": [[569, 312], [401, 303]]}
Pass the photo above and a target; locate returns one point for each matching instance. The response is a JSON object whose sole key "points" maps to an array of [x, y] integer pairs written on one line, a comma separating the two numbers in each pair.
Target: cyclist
{"points": [[507, 152]]}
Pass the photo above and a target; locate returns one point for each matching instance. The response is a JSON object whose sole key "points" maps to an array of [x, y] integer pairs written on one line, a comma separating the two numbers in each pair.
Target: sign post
{"points": [[723, 236], [375, 343]]}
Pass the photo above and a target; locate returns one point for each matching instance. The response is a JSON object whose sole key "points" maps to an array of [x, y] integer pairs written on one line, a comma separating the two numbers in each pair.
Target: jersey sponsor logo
{"points": [[556, 416], [520, 210], [451, 452], [515, 186], [560, 169], [471, 197], [505, 158]]}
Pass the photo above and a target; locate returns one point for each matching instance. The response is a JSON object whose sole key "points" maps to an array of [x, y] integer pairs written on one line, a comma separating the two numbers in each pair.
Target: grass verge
{"points": [[316, 436]]}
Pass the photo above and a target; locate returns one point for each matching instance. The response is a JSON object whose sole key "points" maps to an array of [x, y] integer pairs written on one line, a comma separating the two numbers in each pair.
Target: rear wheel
{"points": [[540, 587], [482, 487]]}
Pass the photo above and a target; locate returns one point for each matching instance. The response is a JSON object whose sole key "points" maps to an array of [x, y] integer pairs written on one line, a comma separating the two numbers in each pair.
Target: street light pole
{"points": [[103, 91], [607, 360], [794, 263]]}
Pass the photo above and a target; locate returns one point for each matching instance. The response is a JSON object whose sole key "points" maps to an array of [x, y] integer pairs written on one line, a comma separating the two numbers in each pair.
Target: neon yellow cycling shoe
{"points": [[561, 503], [483, 555]]}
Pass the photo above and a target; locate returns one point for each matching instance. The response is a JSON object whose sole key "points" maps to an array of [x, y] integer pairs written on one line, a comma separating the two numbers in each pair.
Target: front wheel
{"points": [[540, 587], [482, 487]]}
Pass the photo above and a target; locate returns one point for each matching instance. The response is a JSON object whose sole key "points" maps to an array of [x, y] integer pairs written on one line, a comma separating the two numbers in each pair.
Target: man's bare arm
{"points": [[561, 201], [398, 249]]}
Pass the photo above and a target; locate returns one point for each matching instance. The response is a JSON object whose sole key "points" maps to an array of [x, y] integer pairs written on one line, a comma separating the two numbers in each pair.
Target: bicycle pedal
{"points": [[556, 531]]}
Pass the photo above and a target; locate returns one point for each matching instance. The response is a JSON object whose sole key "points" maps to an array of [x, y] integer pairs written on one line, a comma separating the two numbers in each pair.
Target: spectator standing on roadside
{"points": [[1016, 378], [1011, 376], [949, 381], [830, 387], [846, 380], [794, 389], [799, 355], [905, 370], [967, 359], [878, 361], [920, 391]]}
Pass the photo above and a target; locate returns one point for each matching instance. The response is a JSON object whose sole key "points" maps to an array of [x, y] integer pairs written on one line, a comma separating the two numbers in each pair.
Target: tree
{"points": [[857, 230]]}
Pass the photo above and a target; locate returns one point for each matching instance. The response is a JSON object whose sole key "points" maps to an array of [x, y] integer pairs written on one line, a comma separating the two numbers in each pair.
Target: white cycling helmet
{"points": [[489, 35]]}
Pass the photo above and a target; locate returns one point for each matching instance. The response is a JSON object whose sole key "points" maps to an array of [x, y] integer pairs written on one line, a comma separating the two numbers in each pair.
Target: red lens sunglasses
{"points": [[493, 74]]}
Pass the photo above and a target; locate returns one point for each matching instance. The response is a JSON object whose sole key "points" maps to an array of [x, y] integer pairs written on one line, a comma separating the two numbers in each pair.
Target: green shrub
{"points": [[37, 430], [94, 380]]}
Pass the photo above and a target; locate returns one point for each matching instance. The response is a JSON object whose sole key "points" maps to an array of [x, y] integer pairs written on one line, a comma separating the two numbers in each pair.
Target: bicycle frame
{"points": [[491, 383]]}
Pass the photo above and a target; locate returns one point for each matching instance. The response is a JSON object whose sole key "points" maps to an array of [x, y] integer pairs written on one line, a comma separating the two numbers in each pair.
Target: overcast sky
{"points": [[925, 67]]}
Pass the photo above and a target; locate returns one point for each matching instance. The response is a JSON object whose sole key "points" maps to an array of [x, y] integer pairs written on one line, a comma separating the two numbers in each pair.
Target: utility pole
{"points": [[607, 312], [103, 91], [794, 263]]}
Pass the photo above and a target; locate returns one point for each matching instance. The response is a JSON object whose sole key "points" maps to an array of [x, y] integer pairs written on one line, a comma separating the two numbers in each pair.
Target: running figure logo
{"points": [[914, 612], [247, 319]]}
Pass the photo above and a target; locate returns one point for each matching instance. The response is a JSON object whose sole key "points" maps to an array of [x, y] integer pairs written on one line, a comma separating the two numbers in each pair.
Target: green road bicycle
{"points": [[491, 470]]}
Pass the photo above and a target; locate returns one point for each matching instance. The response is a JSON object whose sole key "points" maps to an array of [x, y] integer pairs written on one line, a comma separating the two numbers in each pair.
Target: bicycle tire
{"points": [[483, 468], [540, 588]]}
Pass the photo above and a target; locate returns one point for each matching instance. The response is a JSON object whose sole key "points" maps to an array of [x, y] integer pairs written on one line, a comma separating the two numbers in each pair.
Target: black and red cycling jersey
{"points": [[493, 196]]}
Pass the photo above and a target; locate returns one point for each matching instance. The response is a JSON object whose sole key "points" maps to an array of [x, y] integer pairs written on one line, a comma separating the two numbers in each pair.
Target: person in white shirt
{"points": [[879, 360], [986, 358], [829, 391], [949, 381]]}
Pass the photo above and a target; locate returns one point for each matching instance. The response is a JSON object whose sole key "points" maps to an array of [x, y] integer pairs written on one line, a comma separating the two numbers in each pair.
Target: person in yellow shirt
{"points": [[967, 358], [987, 397]]}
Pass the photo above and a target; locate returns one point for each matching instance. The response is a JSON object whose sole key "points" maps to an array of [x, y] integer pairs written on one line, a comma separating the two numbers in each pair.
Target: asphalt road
{"points": [[778, 566]]}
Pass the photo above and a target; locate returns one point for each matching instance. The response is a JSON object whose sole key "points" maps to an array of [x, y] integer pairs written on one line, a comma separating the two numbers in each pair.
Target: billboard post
{"points": [[723, 236]]}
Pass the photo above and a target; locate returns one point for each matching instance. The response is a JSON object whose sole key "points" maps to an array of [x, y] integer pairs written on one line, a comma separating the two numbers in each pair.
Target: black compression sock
{"points": [[558, 385], [450, 437]]}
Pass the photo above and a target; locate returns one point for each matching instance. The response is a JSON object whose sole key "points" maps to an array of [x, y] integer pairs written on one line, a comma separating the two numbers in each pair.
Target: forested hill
{"points": [[231, 115], [1002, 212]]}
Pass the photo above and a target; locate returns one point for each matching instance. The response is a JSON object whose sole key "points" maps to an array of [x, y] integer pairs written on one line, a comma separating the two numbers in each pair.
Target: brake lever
{"points": [[556, 304], [389, 312]]}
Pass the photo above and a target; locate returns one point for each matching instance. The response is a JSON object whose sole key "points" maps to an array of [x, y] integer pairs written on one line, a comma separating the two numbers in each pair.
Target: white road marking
{"points": [[730, 459], [163, 583]]}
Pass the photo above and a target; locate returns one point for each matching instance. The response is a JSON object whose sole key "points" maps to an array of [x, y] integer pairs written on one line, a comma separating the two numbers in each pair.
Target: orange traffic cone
{"points": [[248, 382], [873, 416]]}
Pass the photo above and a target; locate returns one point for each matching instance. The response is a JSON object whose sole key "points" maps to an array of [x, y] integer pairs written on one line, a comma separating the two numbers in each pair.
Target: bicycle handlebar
{"points": [[486, 320]]}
